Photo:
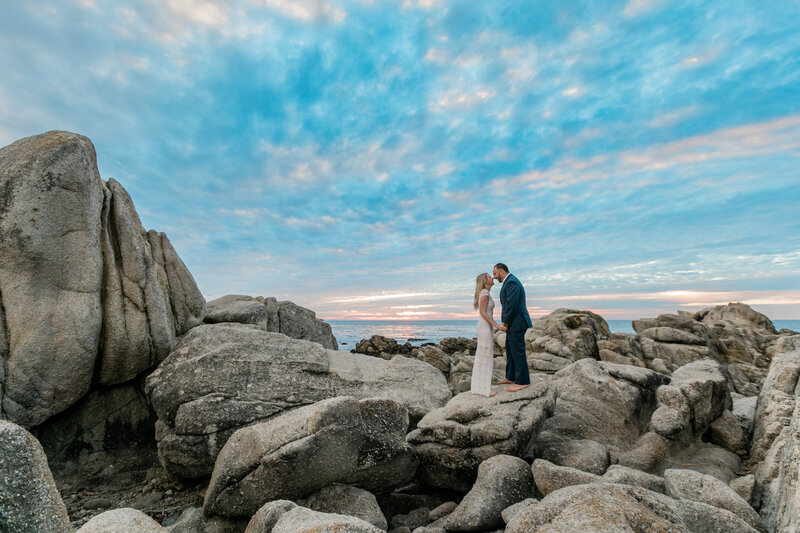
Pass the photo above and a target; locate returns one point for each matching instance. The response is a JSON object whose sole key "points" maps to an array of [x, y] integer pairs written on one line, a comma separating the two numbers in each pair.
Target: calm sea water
{"points": [[349, 332]]}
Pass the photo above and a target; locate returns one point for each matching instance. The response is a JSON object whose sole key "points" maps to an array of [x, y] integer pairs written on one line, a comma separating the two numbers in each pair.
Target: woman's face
{"points": [[489, 281]]}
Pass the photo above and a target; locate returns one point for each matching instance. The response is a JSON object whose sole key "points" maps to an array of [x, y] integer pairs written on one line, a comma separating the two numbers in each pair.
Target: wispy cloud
{"points": [[369, 158]]}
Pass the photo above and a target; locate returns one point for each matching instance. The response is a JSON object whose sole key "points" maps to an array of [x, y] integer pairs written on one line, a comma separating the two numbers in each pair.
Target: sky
{"points": [[368, 158]]}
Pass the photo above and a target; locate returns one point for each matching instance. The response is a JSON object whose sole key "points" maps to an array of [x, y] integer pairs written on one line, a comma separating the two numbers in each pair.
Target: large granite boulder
{"points": [[347, 500], [88, 295], [271, 315], [222, 377], [690, 485], [733, 334], [283, 516], [776, 439], [673, 340], [563, 337], [339, 440], [601, 407], [124, 520], [611, 508], [29, 499], [380, 346], [453, 441], [741, 336], [502, 481], [696, 397]]}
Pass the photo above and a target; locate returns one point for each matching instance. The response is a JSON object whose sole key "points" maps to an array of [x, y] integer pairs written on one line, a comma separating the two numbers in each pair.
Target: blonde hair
{"points": [[480, 284]]}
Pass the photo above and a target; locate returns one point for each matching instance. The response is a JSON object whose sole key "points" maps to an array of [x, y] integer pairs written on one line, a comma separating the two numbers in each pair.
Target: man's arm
{"points": [[513, 293]]}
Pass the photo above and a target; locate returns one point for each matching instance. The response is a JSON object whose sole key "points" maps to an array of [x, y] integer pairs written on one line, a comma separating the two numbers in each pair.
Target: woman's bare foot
{"points": [[492, 393], [515, 388], [504, 381]]}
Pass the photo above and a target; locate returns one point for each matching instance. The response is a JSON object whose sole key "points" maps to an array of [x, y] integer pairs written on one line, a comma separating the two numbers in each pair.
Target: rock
{"points": [[550, 478], [690, 485], [302, 520], [442, 510], [609, 508], [111, 418], [51, 272], [703, 387], [269, 314], [452, 441], [190, 521], [583, 454], [434, 357], [728, 433], [599, 508], [509, 512], [604, 402], [243, 310], [502, 481], [122, 521], [378, 346], [451, 345], [741, 336], [29, 499], [268, 515], [621, 348], [630, 476], [339, 440], [416, 518], [563, 337], [347, 500], [776, 438], [73, 251], [222, 377], [744, 410], [745, 487]]}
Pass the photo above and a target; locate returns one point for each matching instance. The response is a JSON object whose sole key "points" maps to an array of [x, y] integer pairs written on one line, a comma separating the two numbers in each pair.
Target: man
{"points": [[515, 322]]}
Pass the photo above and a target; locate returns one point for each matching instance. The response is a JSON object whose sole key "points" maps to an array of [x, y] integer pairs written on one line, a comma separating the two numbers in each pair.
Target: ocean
{"points": [[417, 332]]}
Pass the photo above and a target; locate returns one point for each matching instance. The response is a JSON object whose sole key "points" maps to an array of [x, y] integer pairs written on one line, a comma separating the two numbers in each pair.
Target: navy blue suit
{"points": [[516, 317]]}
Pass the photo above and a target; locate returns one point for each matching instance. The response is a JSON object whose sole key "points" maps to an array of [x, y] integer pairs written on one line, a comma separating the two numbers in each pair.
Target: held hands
{"points": [[502, 327]]}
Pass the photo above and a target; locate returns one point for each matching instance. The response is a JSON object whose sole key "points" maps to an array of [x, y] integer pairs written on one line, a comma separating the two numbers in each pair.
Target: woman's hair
{"points": [[480, 284]]}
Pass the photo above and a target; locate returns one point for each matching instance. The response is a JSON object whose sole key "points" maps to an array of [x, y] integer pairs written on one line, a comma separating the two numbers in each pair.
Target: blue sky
{"points": [[368, 158]]}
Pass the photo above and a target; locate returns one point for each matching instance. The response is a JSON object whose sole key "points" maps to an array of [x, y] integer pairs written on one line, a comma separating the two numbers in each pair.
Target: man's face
{"points": [[498, 274]]}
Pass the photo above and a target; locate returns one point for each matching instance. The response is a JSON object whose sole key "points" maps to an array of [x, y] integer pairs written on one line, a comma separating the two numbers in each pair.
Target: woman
{"points": [[482, 367]]}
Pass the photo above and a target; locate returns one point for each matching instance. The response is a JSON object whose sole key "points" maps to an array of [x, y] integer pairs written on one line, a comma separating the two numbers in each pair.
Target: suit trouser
{"points": [[516, 360]]}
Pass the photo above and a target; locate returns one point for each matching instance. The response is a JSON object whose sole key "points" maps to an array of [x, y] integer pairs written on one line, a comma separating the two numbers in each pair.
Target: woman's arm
{"points": [[484, 301]]}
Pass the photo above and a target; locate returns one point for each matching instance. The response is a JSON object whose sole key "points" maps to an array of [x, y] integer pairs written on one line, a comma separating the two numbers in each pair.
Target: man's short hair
{"points": [[501, 266]]}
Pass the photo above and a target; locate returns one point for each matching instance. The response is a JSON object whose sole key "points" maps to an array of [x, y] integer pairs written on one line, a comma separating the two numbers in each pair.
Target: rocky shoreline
{"points": [[129, 403]]}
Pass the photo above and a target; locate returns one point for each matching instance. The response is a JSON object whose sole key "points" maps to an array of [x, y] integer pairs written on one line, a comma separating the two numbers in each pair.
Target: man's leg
{"points": [[516, 341], [509, 363]]}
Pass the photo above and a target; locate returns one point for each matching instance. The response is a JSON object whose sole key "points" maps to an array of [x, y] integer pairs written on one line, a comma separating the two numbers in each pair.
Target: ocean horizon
{"points": [[418, 332]]}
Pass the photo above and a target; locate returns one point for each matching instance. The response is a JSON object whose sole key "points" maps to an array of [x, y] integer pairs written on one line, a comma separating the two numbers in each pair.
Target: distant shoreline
{"points": [[421, 331]]}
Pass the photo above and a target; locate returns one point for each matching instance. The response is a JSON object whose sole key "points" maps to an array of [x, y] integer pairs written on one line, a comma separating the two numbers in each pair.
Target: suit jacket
{"points": [[515, 309]]}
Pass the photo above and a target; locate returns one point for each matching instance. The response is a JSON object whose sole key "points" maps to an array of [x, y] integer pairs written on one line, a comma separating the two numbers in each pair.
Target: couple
{"points": [[515, 322]]}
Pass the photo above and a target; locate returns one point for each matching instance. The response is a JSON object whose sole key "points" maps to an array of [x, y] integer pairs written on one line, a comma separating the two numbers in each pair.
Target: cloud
{"points": [[306, 10]]}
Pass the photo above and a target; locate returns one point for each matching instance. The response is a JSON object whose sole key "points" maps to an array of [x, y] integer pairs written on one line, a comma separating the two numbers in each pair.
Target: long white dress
{"points": [[482, 367]]}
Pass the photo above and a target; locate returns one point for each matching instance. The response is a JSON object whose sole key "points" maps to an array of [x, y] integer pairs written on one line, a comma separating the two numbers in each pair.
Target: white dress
{"points": [[482, 367]]}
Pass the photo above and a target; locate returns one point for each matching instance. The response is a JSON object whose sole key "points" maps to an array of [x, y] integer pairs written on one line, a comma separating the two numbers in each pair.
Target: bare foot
{"points": [[504, 381], [515, 388], [492, 394]]}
